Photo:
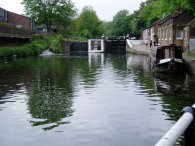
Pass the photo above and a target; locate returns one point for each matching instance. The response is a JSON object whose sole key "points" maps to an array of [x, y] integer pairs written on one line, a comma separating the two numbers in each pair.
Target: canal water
{"points": [[94, 100]]}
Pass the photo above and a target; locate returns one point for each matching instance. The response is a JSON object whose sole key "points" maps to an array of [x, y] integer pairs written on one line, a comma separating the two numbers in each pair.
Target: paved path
{"points": [[137, 47]]}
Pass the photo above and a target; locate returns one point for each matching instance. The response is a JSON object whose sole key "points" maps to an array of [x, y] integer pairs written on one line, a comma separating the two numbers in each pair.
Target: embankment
{"points": [[30, 49]]}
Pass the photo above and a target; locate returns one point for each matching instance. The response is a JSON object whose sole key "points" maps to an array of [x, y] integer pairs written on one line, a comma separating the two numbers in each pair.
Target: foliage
{"points": [[88, 24], [153, 10], [59, 13], [107, 28], [58, 44], [121, 23], [180, 4], [34, 48]]}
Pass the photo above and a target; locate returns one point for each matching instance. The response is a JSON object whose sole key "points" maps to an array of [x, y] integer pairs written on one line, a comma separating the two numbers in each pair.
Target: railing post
{"points": [[189, 136]]}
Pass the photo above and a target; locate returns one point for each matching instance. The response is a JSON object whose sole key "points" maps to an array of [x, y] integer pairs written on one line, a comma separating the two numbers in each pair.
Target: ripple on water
{"points": [[74, 101]]}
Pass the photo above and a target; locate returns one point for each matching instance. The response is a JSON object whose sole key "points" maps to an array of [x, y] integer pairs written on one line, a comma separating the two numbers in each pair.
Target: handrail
{"points": [[171, 137], [128, 42]]}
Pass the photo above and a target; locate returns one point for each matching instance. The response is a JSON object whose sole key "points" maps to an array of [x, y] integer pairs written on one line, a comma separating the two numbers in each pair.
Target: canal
{"points": [[94, 100]]}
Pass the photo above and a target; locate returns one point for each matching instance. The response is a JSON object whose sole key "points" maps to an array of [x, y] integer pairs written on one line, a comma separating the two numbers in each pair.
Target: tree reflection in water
{"points": [[50, 99]]}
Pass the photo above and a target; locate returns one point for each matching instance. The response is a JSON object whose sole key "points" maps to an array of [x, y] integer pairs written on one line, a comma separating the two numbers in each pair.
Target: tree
{"points": [[107, 28], [88, 24], [50, 12], [180, 4], [121, 22]]}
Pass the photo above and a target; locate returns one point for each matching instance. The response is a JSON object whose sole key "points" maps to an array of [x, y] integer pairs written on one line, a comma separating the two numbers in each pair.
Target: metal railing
{"points": [[179, 128]]}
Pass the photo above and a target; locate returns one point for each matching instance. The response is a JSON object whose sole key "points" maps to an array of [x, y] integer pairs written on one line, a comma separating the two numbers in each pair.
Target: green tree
{"points": [[180, 4], [50, 12], [88, 24], [121, 23], [107, 28]]}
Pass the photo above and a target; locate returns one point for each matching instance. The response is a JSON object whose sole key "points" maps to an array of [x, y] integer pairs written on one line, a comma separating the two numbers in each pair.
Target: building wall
{"points": [[192, 29], [189, 37], [16, 19], [165, 34], [154, 34], [172, 31], [3, 15], [146, 34], [186, 38]]}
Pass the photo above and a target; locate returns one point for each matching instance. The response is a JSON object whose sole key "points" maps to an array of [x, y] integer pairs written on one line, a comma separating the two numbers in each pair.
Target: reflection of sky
{"points": [[115, 104], [112, 100], [14, 117]]}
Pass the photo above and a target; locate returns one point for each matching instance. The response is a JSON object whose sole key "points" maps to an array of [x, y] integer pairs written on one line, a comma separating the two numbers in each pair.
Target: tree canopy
{"points": [[50, 12], [121, 23], [88, 24], [148, 12]]}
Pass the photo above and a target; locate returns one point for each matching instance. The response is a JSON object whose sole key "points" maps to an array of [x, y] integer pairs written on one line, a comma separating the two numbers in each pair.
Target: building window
{"points": [[159, 34], [166, 34], [179, 34], [170, 33], [163, 34]]}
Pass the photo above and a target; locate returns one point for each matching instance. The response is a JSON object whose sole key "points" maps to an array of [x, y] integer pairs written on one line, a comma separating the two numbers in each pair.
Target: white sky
{"points": [[105, 9]]}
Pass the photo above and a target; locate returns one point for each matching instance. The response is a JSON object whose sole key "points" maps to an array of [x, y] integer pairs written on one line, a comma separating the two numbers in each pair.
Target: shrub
{"points": [[34, 48], [58, 44]]}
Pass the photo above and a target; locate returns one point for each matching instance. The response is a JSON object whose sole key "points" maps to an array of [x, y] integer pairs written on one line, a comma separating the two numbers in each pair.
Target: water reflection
{"points": [[96, 60], [14, 77], [50, 98], [91, 98], [171, 83]]}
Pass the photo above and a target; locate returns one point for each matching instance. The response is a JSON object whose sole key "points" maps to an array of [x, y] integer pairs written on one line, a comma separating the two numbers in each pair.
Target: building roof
{"points": [[173, 15], [164, 19], [192, 21]]}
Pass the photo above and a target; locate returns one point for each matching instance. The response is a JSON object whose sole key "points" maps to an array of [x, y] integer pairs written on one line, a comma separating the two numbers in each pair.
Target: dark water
{"points": [[95, 100]]}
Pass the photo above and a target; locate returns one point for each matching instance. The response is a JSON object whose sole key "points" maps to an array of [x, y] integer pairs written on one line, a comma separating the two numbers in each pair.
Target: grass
{"points": [[31, 49], [191, 54]]}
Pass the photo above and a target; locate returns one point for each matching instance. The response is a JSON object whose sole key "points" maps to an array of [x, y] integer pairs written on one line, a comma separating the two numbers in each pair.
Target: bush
{"points": [[58, 44], [34, 48]]}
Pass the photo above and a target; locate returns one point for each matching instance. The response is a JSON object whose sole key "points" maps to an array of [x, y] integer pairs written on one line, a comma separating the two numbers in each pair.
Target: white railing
{"points": [[171, 137]]}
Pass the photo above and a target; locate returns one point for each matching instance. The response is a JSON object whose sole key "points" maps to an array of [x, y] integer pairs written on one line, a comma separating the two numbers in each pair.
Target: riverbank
{"points": [[39, 43], [34, 48]]}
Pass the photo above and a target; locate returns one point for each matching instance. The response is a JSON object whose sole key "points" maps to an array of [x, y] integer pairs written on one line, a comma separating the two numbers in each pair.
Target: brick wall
{"points": [[16, 19]]}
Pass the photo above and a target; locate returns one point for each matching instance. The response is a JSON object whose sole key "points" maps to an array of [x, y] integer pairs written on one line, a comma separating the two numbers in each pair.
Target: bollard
{"points": [[170, 138]]}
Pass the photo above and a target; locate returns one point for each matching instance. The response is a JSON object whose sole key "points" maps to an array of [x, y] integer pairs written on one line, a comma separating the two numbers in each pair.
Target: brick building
{"points": [[170, 28], [16, 20], [20, 21]]}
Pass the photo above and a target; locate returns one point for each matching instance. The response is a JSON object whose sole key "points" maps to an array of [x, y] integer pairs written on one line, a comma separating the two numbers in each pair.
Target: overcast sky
{"points": [[105, 9]]}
